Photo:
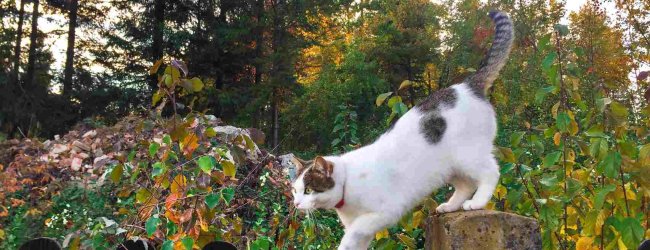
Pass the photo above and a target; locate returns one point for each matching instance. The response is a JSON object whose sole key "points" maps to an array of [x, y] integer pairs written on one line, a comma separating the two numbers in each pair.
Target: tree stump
{"points": [[482, 229]]}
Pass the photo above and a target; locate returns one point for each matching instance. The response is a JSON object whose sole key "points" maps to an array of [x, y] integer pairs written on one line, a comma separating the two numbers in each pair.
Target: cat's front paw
{"points": [[446, 208], [473, 205]]}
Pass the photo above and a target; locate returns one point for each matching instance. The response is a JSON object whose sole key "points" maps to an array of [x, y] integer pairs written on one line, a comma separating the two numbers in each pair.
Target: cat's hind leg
{"points": [[487, 178], [464, 188]]}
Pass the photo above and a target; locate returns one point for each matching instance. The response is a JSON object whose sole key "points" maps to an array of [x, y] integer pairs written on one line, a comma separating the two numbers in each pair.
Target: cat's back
{"points": [[467, 116]]}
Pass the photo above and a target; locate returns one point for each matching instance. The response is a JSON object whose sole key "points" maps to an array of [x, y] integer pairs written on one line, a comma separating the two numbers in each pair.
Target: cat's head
{"points": [[315, 185]]}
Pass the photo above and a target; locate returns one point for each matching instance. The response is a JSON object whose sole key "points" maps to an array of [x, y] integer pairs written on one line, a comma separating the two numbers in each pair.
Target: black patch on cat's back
{"points": [[432, 124], [433, 127]]}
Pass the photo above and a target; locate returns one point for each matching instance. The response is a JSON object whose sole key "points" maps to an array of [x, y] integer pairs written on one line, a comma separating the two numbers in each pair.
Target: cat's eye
{"points": [[308, 191]]}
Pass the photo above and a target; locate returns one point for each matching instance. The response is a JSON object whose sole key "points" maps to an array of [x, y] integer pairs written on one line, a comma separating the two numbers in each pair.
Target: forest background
{"points": [[323, 77]]}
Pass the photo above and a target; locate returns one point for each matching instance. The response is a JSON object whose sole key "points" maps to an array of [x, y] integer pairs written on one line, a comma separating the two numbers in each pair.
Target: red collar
{"points": [[340, 204], [342, 201]]}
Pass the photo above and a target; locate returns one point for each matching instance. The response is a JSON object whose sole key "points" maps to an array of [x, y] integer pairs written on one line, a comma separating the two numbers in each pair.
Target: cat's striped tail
{"points": [[482, 80]]}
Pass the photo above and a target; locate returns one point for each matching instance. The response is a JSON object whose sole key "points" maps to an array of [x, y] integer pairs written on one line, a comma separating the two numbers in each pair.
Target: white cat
{"points": [[447, 139]]}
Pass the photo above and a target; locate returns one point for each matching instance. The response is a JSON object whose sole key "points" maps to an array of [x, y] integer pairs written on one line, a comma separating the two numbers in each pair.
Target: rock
{"points": [[76, 164], [90, 134], [47, 144], [59, 148], [227, 133], [80, 146], [482, 229], [101, 161], [288, 166]]}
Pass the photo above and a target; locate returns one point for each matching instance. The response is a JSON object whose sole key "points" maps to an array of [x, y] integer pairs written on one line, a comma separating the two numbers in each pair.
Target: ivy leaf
{"points": [[644, 155], [153, 149], [168, 245], [619, 111], [212, 200], [167, 140], [131, 156], [227, 194], [631, 231], [158, 169], [549, 60], [116, 174], [188, 243], [407, 240], [515, 138], [549, 181], [152, 225], [394, 100], [601, 193], [506, 168], [595, 131], [610, 165], [381, 98], [563, 121], [229, 168], [400, 108], [206, 163], [573, 187], [541, 93], [552, 158], [197, 84], [142, 195]]}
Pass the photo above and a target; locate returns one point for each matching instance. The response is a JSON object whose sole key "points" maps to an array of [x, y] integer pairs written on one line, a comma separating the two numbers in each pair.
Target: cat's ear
{"points": [[300, 164], [321, 164]]}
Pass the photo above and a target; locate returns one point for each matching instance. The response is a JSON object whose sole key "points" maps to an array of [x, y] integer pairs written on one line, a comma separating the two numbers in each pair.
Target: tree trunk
{"points": [[31, 62], [277, 69], [69, 60], [258, 34], [276, 121], [157, 45], [17, 49]]}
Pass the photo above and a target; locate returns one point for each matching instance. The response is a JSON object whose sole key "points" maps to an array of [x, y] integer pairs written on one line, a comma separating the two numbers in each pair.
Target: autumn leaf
{"points": [[381, 98], [189, 144], [178, 184]]}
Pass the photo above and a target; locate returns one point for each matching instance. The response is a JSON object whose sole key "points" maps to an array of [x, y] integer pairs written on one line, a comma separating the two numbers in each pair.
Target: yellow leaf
{"points": [[417, 218], [179, 183], [573, 127], [556, 138], [74, 245], [2, 234], [554, 110], [631, 195], [507, 155], [229, 168], [500, 191], [405, 84], [600, 220], [381, 234], [116, 174], [142, 195], [621, 245], [492, 206], [585, 243], [647, 234]]}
